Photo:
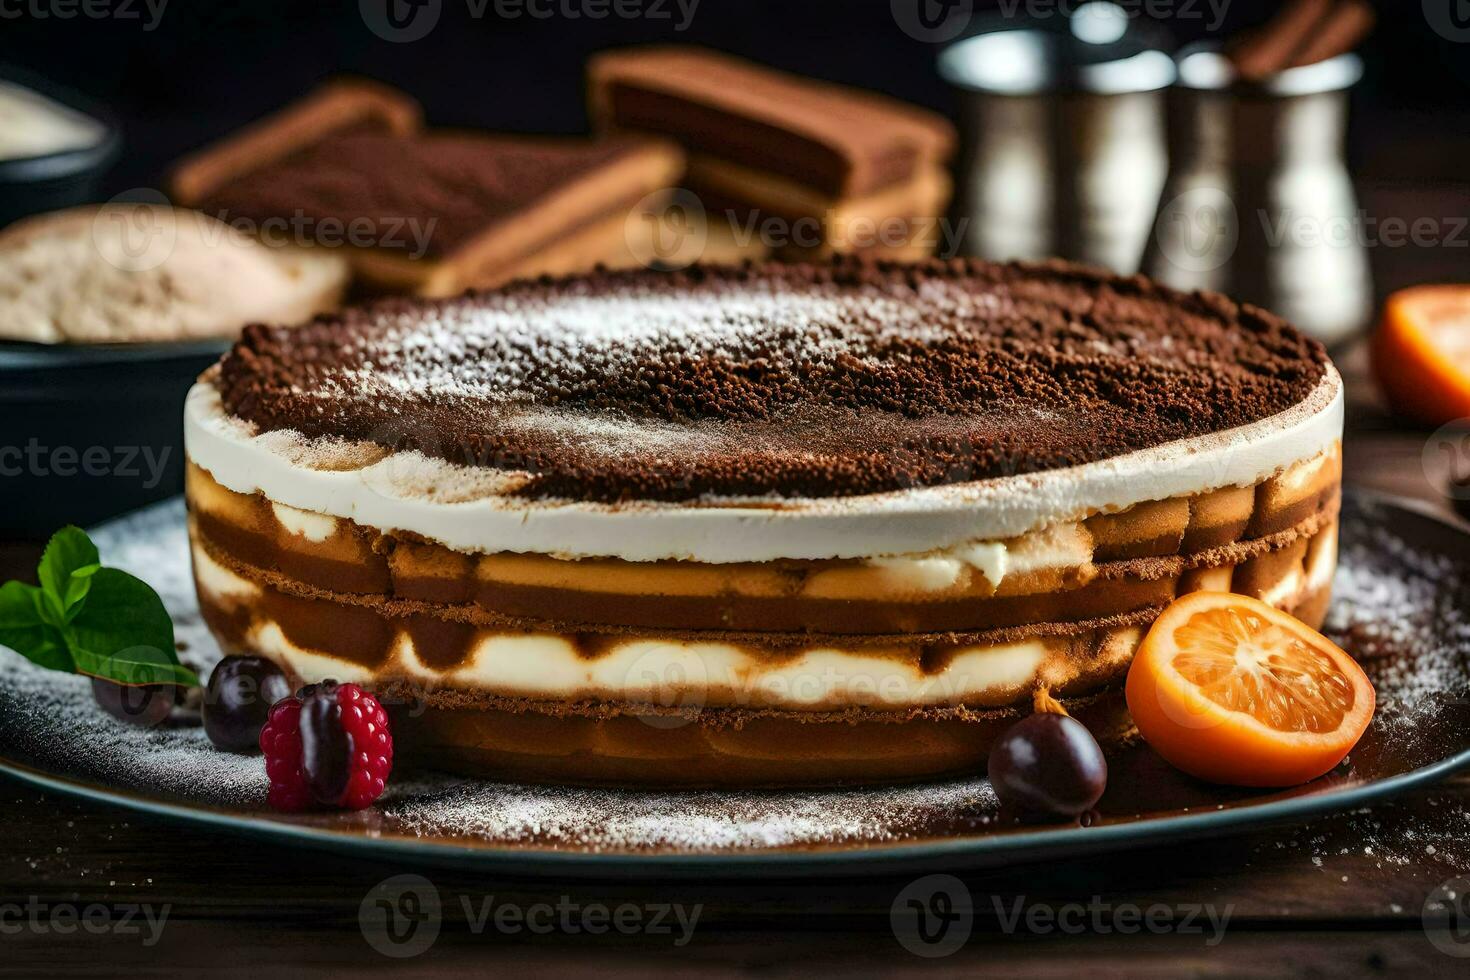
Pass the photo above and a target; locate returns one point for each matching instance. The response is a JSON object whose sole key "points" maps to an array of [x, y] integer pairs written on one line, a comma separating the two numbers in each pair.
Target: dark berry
{"points": [[238, 701], [1048, 764], [326, 754], [329, 745], [145, 705]]}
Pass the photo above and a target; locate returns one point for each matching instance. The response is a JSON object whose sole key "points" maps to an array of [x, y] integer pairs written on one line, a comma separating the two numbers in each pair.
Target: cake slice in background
{"points": [[845, 170], [428, 211]]}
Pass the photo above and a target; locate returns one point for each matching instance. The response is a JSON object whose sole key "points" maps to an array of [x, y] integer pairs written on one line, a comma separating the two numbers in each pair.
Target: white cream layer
{"points": [[460, 507]]}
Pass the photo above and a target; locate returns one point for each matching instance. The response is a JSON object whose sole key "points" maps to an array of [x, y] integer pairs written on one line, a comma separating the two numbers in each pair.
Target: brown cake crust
{"points": [[779, 380]]}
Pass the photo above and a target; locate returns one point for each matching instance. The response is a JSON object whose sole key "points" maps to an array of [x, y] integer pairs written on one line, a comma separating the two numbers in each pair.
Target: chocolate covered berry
{"points": [[330, 746]]}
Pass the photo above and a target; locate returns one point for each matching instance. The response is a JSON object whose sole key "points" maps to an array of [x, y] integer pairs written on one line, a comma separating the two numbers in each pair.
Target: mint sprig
{"points": [[88, 619]]}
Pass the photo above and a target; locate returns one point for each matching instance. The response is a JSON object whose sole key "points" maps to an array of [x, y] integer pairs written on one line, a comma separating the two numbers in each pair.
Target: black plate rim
{"points": [[862, 859], [18, 355]]}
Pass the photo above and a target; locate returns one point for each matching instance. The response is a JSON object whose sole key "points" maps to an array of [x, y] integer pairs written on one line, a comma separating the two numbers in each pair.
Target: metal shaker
{"points": [[1259, 203], [1064, 150]]}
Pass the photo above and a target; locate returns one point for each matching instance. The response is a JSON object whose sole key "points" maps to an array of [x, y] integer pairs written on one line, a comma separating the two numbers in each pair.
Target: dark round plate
{"points": [[21, 357], [1401, 608]]}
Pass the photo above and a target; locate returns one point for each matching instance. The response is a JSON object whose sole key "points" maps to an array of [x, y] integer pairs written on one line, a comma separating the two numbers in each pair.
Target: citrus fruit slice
{"points": [[1421, 353], [1233, 691]]}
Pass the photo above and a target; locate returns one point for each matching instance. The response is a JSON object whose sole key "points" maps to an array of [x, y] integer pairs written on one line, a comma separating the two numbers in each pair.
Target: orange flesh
{"points": [[1244, 663], [1230, 690], [1421, 352]]}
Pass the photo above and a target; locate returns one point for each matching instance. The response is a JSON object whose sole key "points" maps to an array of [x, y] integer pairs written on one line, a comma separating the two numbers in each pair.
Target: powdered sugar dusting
{"points": [[602, 819], [792, 381], [1405, 611], [479, 351]]}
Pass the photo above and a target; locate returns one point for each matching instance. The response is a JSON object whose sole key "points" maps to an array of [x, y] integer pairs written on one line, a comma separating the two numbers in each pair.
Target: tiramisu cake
{"points": [[776, 524]]}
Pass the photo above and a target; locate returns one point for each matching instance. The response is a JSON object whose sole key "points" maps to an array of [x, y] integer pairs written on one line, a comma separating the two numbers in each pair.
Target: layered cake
{"points": [[770, 524], [431, 212], [843, 170]]}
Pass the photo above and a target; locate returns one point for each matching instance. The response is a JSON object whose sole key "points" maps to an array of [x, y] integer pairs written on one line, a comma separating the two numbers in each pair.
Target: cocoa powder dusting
{"points": [[778, 380]]}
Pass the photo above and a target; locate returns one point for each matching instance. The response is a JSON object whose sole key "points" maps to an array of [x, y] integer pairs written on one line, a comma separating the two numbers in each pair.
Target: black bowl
{"points": [[34, 185], [88, 432]]}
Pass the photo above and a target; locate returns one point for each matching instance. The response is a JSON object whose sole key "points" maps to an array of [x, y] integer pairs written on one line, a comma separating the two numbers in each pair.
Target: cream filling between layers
{"points": [[669, 672], [695, 674], [471, 509]]}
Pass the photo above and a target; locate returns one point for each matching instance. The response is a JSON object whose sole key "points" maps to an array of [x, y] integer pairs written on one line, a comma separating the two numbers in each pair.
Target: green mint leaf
{"points": [[23, 629], [18, 606], [121, 612], [77, 588], [68, 550], [65, 572], [90, 619], [42, 645], [135, 665]]}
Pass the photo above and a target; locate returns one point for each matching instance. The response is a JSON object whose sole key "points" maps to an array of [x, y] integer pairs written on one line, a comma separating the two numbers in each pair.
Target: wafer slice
{"points": [[429, 212], [836, 141], [344, 105]]}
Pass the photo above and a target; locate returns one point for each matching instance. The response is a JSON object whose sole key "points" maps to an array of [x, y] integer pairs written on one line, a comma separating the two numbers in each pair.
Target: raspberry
{"points": [[329, 745], [280, 740], [366, 724]]}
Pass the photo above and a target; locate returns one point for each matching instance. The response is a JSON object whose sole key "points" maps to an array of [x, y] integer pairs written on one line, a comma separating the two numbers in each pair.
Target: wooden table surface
{"points": [[1340, 896]]}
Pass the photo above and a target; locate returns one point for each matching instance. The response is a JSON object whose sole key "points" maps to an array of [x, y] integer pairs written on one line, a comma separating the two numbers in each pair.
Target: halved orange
{"points": [[1421, 353], [1233, 691]]}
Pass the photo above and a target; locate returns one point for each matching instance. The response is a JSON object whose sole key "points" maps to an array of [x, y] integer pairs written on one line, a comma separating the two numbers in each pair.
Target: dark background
{"points": [[207, 67]]}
